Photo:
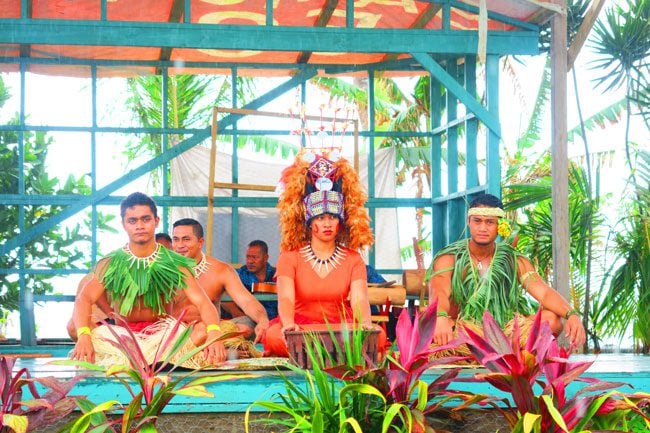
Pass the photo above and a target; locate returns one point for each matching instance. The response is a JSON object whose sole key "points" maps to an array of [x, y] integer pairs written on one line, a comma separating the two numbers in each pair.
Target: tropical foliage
{"points": [[387, 397], [518, 371], [151, 385], [60, 247], [625, 302], [20, 415]]}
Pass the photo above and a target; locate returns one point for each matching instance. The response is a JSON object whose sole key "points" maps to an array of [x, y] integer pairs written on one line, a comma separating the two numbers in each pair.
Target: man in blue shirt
{"points": [[258, 270]]}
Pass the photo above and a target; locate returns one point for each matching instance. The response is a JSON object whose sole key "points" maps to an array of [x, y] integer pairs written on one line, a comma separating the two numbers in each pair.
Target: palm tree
{"points": [[190, 99], [625, 301], [622, 43]]}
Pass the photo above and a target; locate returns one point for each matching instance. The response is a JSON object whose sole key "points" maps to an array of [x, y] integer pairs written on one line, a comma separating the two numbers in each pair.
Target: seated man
{"points": [[214, 277], [164, 239], [118, 279], [258, 270], [477, 274]]}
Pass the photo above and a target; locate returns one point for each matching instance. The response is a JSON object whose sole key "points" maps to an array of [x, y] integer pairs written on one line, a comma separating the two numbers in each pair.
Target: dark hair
{"points": [[196, 226], [164, 236], [138, 199], [260, 244], [487, 200]]}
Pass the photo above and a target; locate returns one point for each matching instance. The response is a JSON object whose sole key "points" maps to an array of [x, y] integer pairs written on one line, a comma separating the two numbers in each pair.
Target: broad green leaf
{"points": [[149, 428], [423, 395], [82, 364]]}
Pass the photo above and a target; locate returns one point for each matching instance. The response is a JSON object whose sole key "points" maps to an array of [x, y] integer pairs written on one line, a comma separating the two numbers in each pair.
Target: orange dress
{"points": [[317, 300]]}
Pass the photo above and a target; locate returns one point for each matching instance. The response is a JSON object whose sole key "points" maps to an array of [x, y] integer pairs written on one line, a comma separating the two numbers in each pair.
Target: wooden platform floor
{"points": [[238, 394]]}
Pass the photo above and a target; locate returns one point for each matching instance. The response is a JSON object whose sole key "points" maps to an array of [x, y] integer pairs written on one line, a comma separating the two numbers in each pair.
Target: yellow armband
{"points": [[83, 330], [526, 276], [213, 327]]}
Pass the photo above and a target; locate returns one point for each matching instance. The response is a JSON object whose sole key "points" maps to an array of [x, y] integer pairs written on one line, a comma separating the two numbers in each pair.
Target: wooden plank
{"points": [[244, 186], [585, 28], [559, 155]]}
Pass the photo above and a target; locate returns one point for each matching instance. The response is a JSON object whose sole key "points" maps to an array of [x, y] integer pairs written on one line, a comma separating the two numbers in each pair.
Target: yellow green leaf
{"points": [[530, 419], [557, 416], [17, 423]]}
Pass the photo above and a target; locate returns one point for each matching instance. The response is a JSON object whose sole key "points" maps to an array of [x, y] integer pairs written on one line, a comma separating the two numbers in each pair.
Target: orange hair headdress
{"points": [[298, 183]]}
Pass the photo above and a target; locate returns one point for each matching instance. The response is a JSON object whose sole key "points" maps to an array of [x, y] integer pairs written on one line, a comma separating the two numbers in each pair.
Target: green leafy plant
{"points": [[326, 403], [388, 397], [22, 416], [399, 375], [151, 386], [516, 371]]}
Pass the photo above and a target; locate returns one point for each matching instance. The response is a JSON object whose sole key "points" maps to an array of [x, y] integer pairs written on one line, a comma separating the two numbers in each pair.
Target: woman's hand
{"points": [[288, 328]]}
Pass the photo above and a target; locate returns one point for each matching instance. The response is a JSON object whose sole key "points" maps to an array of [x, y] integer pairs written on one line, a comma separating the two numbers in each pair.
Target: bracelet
{"points": [[213, 327], [83, 330], [442, 313], [570, 313]]}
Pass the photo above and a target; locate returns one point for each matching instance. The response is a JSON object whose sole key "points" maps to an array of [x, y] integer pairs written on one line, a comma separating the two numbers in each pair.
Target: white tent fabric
{"points": [[190, 172]]}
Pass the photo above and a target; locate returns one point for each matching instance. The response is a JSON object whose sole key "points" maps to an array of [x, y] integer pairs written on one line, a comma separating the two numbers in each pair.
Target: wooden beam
{"points": [[559, 154], [322, 21], [244, 186], [583, 31]]}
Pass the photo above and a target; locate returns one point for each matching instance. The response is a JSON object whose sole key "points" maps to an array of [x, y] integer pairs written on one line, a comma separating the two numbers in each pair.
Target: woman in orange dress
{"points": [[321, 276]]}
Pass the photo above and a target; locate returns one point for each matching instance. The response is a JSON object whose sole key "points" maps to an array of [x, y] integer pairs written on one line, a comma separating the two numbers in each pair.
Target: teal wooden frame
{"points": [[433, 51]]}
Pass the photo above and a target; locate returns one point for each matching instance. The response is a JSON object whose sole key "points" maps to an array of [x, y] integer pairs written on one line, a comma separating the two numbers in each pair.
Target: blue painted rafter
{"points": [[265, 38]]}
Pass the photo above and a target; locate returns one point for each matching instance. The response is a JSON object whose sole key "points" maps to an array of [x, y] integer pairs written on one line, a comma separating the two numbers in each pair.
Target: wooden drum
{"points": [[265, 288]]}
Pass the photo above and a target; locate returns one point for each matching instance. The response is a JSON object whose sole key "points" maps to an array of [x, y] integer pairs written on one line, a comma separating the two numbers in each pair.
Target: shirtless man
{"points": [[478, 274], [117, 277], [215, 277]]}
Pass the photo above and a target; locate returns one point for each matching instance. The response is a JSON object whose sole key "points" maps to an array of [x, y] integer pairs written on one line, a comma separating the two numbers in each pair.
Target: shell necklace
{"points": [[142, 261], [479, 261], [201, 267], [334, 260]]}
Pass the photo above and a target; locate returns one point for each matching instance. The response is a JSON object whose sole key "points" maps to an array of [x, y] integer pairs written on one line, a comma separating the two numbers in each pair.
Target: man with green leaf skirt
{"points": [[141, 281], [477, 274]]}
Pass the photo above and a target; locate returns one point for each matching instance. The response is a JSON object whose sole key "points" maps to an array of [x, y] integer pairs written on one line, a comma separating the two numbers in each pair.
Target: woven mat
{"points": [[250, 364]]}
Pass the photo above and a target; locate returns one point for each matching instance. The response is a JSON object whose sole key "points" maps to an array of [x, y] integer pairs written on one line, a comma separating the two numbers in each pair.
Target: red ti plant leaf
{"points": [[38, 411]]}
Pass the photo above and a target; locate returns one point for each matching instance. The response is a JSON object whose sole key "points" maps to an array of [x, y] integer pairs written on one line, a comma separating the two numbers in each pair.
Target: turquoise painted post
{"points": [[371, 156], [471, 127], [26, 297], [234, 220], [492, 157], [455, 222], [165, 145], [437, 213], [93, 163]]}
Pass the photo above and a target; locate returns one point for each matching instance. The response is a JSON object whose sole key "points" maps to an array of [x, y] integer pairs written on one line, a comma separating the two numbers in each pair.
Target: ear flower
{"points": [[503, 229]]}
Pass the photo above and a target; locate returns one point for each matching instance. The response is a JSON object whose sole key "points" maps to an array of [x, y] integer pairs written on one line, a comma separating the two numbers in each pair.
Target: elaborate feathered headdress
{"points": [[316, 184]]}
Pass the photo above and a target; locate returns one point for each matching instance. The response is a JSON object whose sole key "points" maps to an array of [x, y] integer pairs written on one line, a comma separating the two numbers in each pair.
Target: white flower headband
{"points": [[503, 228]]}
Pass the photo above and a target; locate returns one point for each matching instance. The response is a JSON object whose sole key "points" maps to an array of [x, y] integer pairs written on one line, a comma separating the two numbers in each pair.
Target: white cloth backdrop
{"points": [[190, 172]]}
